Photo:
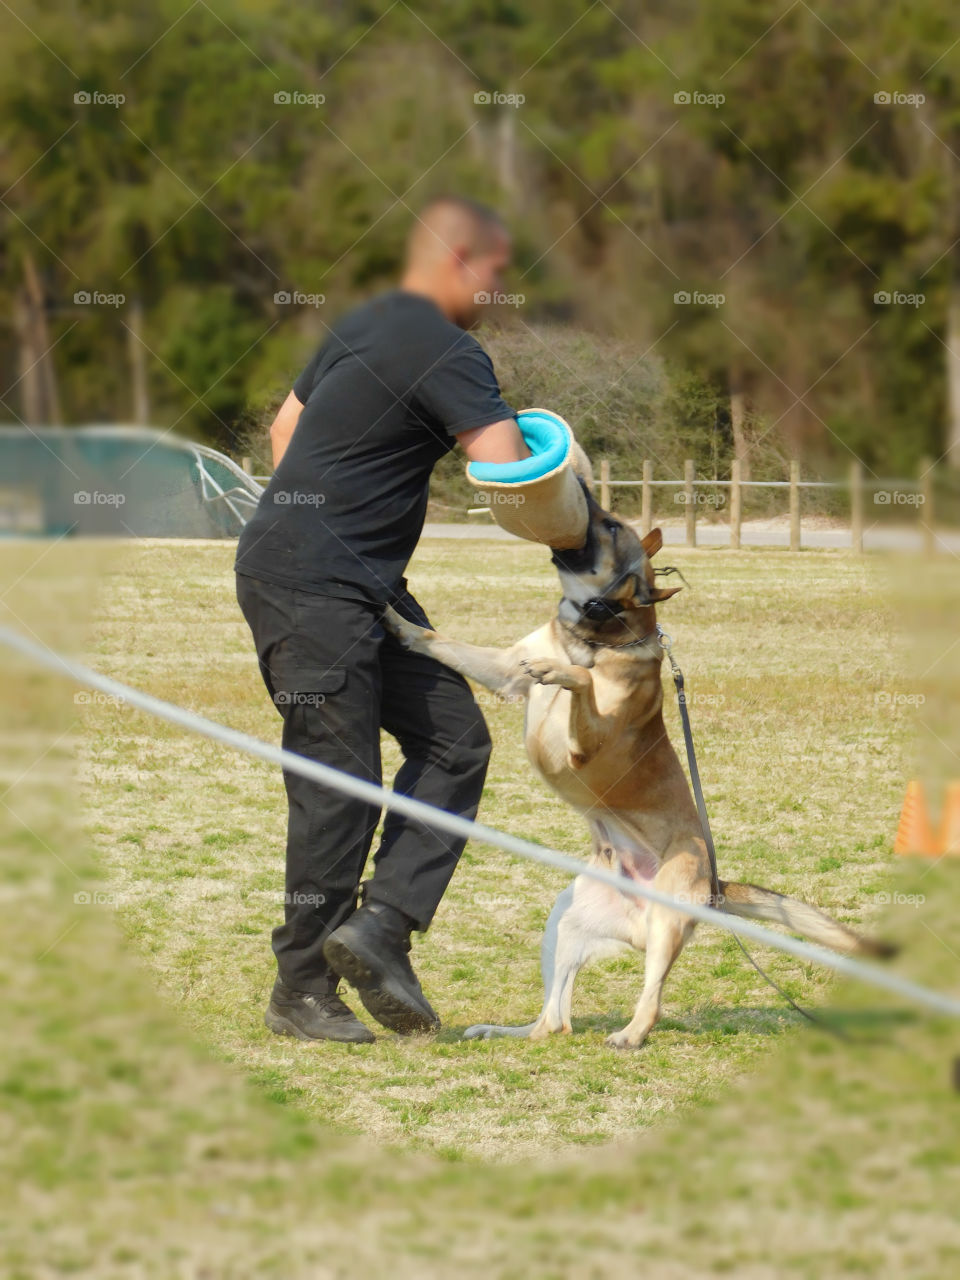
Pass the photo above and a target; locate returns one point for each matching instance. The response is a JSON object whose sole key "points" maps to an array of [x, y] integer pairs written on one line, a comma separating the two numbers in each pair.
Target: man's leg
{"points": [[319, 660], [432, 713]]}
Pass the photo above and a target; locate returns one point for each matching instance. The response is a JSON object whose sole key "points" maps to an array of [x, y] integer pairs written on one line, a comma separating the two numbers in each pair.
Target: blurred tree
{"points": [[224, 182]]}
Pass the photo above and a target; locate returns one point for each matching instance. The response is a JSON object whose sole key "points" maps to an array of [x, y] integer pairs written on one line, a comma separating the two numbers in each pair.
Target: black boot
{"points": [[314, 1016], [371, 950]]}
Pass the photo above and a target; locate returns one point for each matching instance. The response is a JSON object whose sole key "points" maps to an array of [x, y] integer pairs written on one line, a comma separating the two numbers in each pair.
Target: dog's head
{"points": [[608, 580]]}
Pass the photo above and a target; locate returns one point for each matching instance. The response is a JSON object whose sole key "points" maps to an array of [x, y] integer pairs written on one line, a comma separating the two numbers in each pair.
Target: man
{"points": [[398, 382]]}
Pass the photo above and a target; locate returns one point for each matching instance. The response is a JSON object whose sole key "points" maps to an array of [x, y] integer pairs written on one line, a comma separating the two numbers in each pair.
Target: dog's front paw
{"points": [[408, 633], [546, 671]]}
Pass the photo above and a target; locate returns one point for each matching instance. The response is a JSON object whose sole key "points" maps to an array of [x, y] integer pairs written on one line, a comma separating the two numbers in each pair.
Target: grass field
{"points": [[178, 1137]]}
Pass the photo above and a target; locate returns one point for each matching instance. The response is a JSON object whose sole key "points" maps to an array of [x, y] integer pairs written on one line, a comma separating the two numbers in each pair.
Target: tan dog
{"points": [[594, 729]]}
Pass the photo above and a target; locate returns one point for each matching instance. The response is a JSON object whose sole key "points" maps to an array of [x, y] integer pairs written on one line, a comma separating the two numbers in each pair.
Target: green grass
{"points": [[169, 1136]]}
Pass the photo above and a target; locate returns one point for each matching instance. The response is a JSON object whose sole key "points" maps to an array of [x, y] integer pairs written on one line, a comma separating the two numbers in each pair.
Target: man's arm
{"points": [[282, 427], [497, 442]]}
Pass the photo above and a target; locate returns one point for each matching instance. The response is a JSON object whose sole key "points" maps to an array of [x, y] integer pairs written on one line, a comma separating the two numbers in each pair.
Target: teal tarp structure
{"points": [[121, 481]]}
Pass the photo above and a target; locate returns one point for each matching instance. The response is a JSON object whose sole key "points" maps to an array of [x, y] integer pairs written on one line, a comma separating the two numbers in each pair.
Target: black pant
{"points": [[337, 677]]}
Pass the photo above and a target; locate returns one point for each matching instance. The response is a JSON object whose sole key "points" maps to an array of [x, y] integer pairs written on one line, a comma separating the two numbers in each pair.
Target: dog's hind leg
{"points": [[582, 926], [667, 932], [548, 971]]}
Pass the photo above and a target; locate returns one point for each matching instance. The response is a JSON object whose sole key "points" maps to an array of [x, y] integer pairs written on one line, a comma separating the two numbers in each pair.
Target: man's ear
{"points": [[653, 542]]}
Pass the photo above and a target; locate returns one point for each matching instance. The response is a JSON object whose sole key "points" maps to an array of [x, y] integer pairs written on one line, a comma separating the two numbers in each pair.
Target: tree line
{"points": [[759, 198]]}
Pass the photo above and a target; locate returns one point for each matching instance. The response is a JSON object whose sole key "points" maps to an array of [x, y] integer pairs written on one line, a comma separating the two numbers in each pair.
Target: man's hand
{"points": [[282, 427], [498, 442]]}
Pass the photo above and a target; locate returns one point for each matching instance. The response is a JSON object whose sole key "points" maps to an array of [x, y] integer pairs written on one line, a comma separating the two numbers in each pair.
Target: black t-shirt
{"points": [[383, 400]]}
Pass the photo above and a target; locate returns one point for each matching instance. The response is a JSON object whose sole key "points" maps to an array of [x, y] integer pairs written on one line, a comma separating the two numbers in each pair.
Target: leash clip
{"points": [[666, 643]]}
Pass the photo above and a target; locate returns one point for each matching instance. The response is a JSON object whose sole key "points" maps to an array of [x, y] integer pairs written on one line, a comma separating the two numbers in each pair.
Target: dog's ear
{"points": [[581, 467], [653, 542], [653, 595]]}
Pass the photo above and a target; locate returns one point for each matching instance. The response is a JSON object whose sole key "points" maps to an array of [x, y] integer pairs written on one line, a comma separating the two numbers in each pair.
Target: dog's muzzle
{"points": [[600, 609], [596, 611]]}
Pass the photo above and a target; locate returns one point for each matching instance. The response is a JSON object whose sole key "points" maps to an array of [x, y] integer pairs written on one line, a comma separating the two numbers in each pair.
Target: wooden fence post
{"points": [[926, 513], [605, 483], [646, 507], [247, 465], [691, 513], [794, 505], [856, 506], [736, 508]]}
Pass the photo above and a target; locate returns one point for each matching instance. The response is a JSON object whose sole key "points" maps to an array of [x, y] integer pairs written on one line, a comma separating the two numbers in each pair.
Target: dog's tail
{"points": [[755, 903]]}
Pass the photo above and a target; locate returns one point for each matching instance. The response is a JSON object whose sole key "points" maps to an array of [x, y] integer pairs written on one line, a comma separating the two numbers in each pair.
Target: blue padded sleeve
{"points": [[546, 438]]}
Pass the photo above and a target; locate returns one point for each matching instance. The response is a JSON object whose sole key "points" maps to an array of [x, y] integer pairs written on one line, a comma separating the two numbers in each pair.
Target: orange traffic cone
{"points": [[914, 834], [950, 822]]}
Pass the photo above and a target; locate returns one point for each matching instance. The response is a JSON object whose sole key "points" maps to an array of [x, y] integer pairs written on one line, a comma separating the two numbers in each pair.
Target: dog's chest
{"points": [[550, 732]]}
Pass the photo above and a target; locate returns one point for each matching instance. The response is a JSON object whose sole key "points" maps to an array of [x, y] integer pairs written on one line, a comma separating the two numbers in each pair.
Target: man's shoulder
{"points": [[402, 338]]}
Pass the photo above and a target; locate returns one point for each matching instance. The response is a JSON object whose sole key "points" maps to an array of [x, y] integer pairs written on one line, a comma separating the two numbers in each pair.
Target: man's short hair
{"points": [[444, 215]]}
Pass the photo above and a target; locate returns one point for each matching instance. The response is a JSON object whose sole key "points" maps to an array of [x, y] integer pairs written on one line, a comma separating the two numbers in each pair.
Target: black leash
{"points": [[716, 897]]}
